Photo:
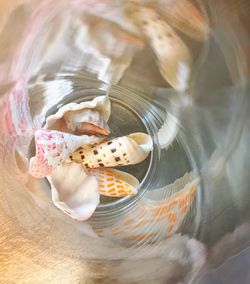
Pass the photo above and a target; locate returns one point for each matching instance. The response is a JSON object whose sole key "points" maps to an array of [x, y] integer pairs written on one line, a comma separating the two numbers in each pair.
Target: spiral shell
{"points": [[121, 151]]}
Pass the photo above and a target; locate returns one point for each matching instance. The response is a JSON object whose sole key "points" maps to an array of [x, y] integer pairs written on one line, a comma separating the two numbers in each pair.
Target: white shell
{"points": [[126, 150], [174, 57], [70, 116], [168, 131], [186, 17], [74, 191], [115, 183], [52, 148]]}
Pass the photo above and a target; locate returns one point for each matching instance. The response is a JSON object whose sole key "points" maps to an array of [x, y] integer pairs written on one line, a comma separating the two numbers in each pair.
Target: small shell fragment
{"points": [[88, 117], [74, 191], [168, 131], [121, 151], [174, 57], [52, 148], [115, 183]]}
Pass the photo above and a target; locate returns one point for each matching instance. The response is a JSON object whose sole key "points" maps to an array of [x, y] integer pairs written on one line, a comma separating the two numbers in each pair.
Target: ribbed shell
{"points": [[52, 148], [88, 117], [173, 56]]}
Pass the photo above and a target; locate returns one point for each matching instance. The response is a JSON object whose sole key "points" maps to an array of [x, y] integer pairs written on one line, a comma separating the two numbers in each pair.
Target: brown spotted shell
{"points": [[173, 56], [121, 151]]}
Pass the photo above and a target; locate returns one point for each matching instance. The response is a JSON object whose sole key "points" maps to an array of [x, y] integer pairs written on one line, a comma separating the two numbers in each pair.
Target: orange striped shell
{"points": [[115, 183]]}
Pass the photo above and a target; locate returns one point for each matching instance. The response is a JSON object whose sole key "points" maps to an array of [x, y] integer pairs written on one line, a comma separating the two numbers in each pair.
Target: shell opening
{"points": [[143, 140]]}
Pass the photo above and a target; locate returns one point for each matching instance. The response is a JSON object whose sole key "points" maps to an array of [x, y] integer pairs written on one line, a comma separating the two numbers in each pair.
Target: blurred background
{"points": [[55, 53]]}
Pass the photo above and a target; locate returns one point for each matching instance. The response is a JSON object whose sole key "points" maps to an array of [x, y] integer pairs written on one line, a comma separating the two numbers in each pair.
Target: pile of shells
{"points": [[74, 153]]}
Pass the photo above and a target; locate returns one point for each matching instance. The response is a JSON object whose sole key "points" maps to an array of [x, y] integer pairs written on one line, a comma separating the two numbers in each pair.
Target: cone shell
{"points": [[52, 148], [156, 219], [186, 17], [88, 117], [174, 57], [126, 150], [74, 191], [115, 183]]}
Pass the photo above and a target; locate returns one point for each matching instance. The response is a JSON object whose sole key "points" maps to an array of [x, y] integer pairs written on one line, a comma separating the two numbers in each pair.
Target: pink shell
{"points": [[52, 147]]}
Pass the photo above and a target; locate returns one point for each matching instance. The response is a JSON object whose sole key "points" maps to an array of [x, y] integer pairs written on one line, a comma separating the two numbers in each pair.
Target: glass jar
{"points": [[72, 51]]}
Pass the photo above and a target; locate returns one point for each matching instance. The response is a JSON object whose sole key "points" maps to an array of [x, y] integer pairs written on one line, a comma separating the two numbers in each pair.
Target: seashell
{"points": [[173, 56], [88, 117], [115, 183], [52, 147], [156, 219], [74, 191], [184, 16], [168, 131], [121, 151], [86, 121]]}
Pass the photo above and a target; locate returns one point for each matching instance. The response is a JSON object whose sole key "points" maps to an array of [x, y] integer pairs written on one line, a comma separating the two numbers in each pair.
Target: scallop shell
{"points": [[88, 117], [156, 219], [74, 191], [174, 57], [184, 16], [121, 151], [52, 147], [115, 183], [168, 131]]}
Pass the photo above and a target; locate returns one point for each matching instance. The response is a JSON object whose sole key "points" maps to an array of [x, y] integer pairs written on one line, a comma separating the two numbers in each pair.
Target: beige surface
{"points": [[27, 254]]}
